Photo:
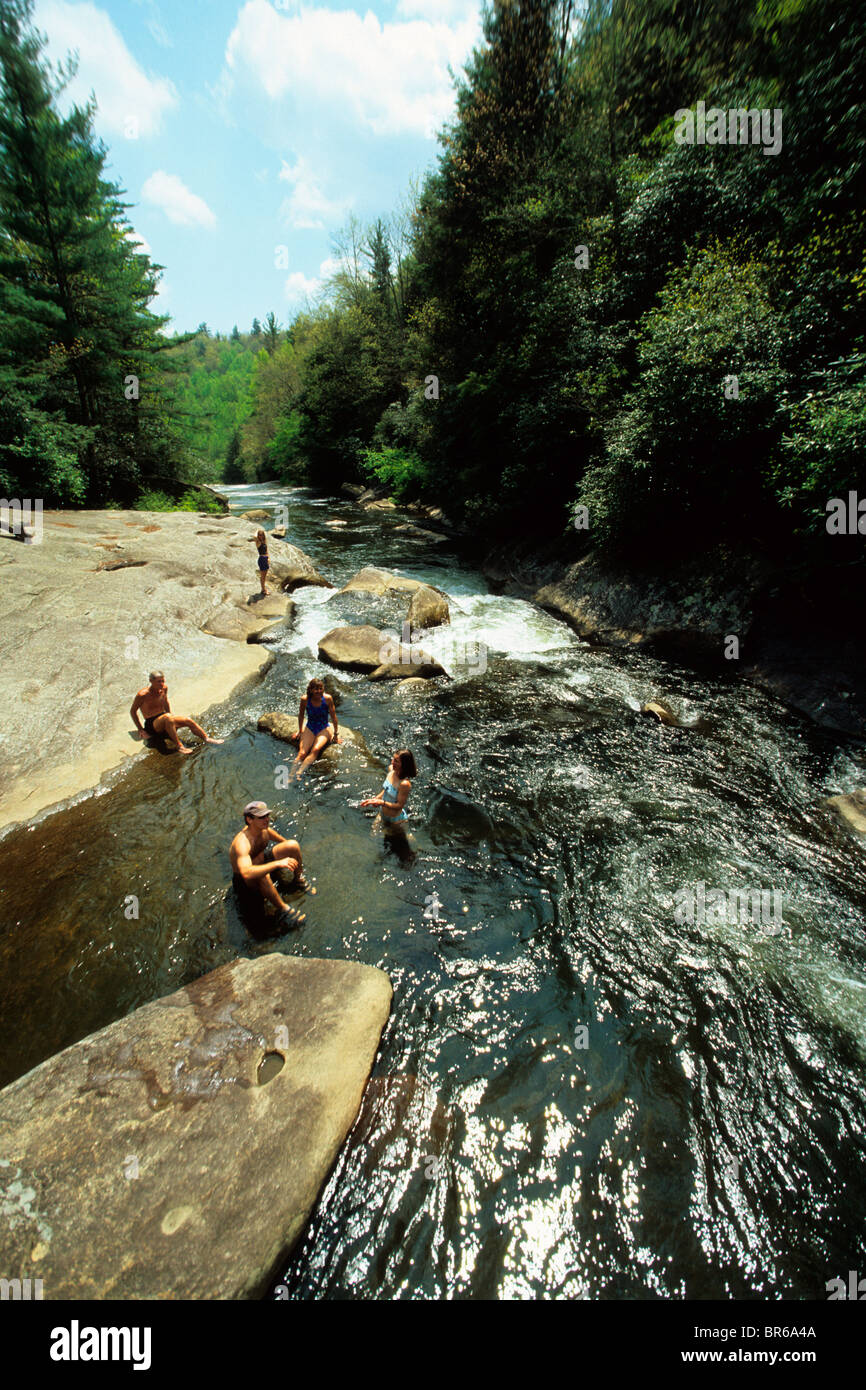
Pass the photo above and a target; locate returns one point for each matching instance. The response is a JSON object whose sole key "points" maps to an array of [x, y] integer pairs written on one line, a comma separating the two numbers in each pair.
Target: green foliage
{"points": [[74, 290], [156, 501], [605, 383], [403, 473], [821, 452]]}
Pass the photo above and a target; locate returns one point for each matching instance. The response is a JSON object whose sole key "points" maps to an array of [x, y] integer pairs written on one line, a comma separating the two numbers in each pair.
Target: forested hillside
{"points": [[634, 285], [84, 411], [698, 370]]}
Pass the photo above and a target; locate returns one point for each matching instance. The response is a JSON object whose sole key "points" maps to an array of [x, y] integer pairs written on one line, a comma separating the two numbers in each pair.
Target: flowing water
{"points": [[578, 1094]]}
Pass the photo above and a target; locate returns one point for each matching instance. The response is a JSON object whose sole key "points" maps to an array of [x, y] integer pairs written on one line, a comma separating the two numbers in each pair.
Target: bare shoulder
{"points": [[240, 844], [329, 700], [140, 694]]}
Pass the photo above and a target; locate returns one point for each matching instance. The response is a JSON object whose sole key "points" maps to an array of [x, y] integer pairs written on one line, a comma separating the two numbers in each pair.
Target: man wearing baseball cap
{"points": [[255, 852]]}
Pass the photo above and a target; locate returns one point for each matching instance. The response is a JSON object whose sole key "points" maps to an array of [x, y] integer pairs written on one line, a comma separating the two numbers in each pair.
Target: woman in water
{"points": [[319, 709], [395, 789], [264, 559]]}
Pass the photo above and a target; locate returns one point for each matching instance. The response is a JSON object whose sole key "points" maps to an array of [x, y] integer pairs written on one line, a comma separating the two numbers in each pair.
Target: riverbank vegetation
{"points": [[577, 308], [86, 411], [698, 372]]}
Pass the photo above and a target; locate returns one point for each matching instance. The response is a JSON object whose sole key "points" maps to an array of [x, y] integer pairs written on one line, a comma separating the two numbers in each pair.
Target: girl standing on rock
{"points": [[320, 711], [264, 559]]}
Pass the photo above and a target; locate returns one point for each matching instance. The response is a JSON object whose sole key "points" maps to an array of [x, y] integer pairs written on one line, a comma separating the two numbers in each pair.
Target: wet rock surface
{"points": [[169, 1156], [91, 634]]}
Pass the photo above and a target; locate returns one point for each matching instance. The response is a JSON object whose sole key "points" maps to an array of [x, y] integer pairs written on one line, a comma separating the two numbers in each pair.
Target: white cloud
{"points": [[307, 205], [124, 92], [178, 202], [299, 286], [391, 77]]}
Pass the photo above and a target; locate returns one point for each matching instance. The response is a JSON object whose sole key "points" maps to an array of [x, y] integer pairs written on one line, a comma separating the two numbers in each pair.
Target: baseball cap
{"points": [[257, 808]]}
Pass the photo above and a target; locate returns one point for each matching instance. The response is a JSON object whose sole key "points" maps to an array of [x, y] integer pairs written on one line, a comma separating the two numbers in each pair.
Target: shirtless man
{"points": [[255, 852], [158, 718]]}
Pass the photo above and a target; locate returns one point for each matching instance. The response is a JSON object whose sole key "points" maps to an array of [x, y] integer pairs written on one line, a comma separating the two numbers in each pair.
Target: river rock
{"points": [[257, 514], [851, 807], [354, 648], [414, 685], [293, 569], [273, 606], [375, 581], [235, 624], [282, 726], [149, 1161], [428, 608], [285, 726], [279, 533], [419, 533], [272, 633], [425, 668], [661, 712], [355, 490], [380, 504]]}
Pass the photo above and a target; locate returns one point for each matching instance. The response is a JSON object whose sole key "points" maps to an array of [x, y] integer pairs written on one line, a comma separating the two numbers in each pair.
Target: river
{"points": [[578, 1094]]}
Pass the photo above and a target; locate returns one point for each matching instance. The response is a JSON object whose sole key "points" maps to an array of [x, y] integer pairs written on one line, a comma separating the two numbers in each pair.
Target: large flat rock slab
{"points": [[150, 1162], [104, 598]]}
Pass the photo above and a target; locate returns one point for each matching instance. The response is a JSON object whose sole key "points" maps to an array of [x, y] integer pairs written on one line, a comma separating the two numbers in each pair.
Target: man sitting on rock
{"points": [[255, 852], [158, 718]]}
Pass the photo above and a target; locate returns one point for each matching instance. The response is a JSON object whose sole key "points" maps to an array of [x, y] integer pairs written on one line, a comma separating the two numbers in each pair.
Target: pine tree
{"points": [[272, 332], [78, 347]]}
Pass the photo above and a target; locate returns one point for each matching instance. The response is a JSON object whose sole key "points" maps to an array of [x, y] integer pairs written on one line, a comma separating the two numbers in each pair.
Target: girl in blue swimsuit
{"points": [[264, 559], [395, 789], [319, 709]]}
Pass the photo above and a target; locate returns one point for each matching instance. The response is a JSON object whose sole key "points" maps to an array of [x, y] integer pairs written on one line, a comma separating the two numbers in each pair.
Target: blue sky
{"points": [[237, 128]]}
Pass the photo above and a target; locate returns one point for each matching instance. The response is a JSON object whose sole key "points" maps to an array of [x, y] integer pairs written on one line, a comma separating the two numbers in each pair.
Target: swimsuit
{"points": [[264, 562], [148, 726], [390, 794], [317, 719]]}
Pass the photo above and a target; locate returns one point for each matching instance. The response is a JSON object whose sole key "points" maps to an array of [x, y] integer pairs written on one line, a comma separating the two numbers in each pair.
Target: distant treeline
{"points": [[593, 302]]}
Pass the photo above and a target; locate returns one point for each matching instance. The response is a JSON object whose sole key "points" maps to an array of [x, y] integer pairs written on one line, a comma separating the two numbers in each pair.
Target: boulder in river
{"points": [[257, 514], [376, 581], [424, 668], [272, 606], [354, 648], [414, 685], [272, 633], [279, 533], [419, 533], [355, 490], [851, 806], [164, 1158], [285, 726], [428, 608], [661, 713], [235, 624], [293, 569]]}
